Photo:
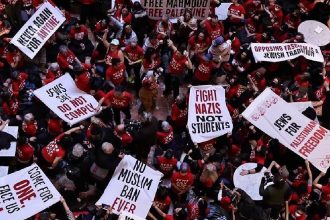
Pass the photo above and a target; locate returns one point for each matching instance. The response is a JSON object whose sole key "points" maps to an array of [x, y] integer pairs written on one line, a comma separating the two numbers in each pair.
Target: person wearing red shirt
{"points": [[162, 199], [180, 60], [213, 27], [133, 54], [236, 13], [66, 59], [54, 125], [166, 163], [53, 72], [204, 70], [124, 16], [257, 79], [179, 113], [120, 101], [151, 60], [325, 189], [29, 125], [198, 44], [18, 82], [113, 49], [83, 78], [116, 74], [182, 181], [252, 8], [165, 135], [125, 137], [54, 152], [24, 151], [78, 32]]}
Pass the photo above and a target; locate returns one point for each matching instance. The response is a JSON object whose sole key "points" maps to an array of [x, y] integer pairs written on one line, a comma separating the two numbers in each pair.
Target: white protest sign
{"points": [[222, 11], [208, 115], [67, 101], [11, 151], [132, 188], [280, 120], [302, 106], [38, 29], [200, 9], [128, 216], [25, 193], [274, 52], [3, 171], [249, 183]]}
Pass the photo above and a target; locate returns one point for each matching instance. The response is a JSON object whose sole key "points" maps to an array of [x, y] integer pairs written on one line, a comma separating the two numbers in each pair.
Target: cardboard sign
{"points": [[26, 193], [38, 29], [274, 52], [173, 8], [208, 115], [132, 188], [280, 120], [68, 102]]}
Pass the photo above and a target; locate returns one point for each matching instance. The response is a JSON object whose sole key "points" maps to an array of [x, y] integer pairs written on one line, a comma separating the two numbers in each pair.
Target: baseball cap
{"points": [[115, 42]]}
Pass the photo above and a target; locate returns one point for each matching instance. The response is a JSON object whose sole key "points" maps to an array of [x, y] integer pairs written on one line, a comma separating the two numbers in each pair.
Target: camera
{"points": [[268, 177], [131, 125]]}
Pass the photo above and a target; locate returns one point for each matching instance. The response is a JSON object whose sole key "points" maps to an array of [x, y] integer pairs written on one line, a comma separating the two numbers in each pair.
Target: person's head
{"points": [[145, 117], [261, 72], [107, 148], [201, 35], [96, 132], [54, 67], [184, 168], [119, 90], [214, 19], [77, 151], [234, 1], [165, 126], [244, 55], [128, 29], [134, 43], [278, 180], [65, 141], [161, 193], [256, 2], [299, 38], [77, 25], [187, 15], [137, 6], [124, 11], [165, 18], [114, 44], [180, 99], [28, 117], [63, 49], [150, 54], [115, 62], [153, 38], [169, 154]]}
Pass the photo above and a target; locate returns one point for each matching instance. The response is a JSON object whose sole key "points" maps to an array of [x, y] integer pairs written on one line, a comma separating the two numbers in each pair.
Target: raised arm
{"points": [[316, 181]]}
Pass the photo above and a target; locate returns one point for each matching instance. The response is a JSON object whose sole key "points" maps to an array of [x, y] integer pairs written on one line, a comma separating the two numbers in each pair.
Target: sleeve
{"points": [[62, 61]]}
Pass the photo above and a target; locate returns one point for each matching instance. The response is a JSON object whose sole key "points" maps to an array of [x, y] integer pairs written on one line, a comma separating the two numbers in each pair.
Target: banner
{"points": [[208, 115], [127, 216], [26, 193], [132, 188], [38, 29], [280, 120], [174, 8], [274, 52], [68, 102]]}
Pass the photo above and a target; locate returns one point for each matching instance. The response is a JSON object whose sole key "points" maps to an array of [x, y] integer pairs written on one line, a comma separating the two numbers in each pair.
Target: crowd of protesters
{"points": [[123, 58]]}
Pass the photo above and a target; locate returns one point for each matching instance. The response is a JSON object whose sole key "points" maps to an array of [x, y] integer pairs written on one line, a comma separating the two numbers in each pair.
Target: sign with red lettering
{"points": [[38, 29], [25, 193], [280, 120], [175, 8], [67, 101], [132, 188], [208, 115], [273, 52]]}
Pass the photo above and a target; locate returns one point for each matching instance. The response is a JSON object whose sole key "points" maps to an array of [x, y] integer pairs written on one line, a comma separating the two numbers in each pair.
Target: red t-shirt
{"points": [[79, 33], [166, 166], [204, 71], [236, 10], [112, 54], [207, 145], [25, 153], [260, 83], [182, 182], [164, 204], [134, 54], [179, 116], [83, 81], [116, 75], [193, 41], [325, 193], [165, 137], [55, 126], [53, 150], [177, 64], [151, 65], [64, 60], [213, 31], [11, 108], [30, 128], [119, 102]]}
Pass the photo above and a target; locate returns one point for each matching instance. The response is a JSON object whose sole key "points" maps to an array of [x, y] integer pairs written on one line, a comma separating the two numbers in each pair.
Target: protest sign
{"points": [[25, 193], [68, 102], [132, 188], [11, 151], [274, 52], [128, 216], [173, 8], [280, 120], [38, 29], [302, 106], [3, 171], [208, 115], [249, 183]]}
